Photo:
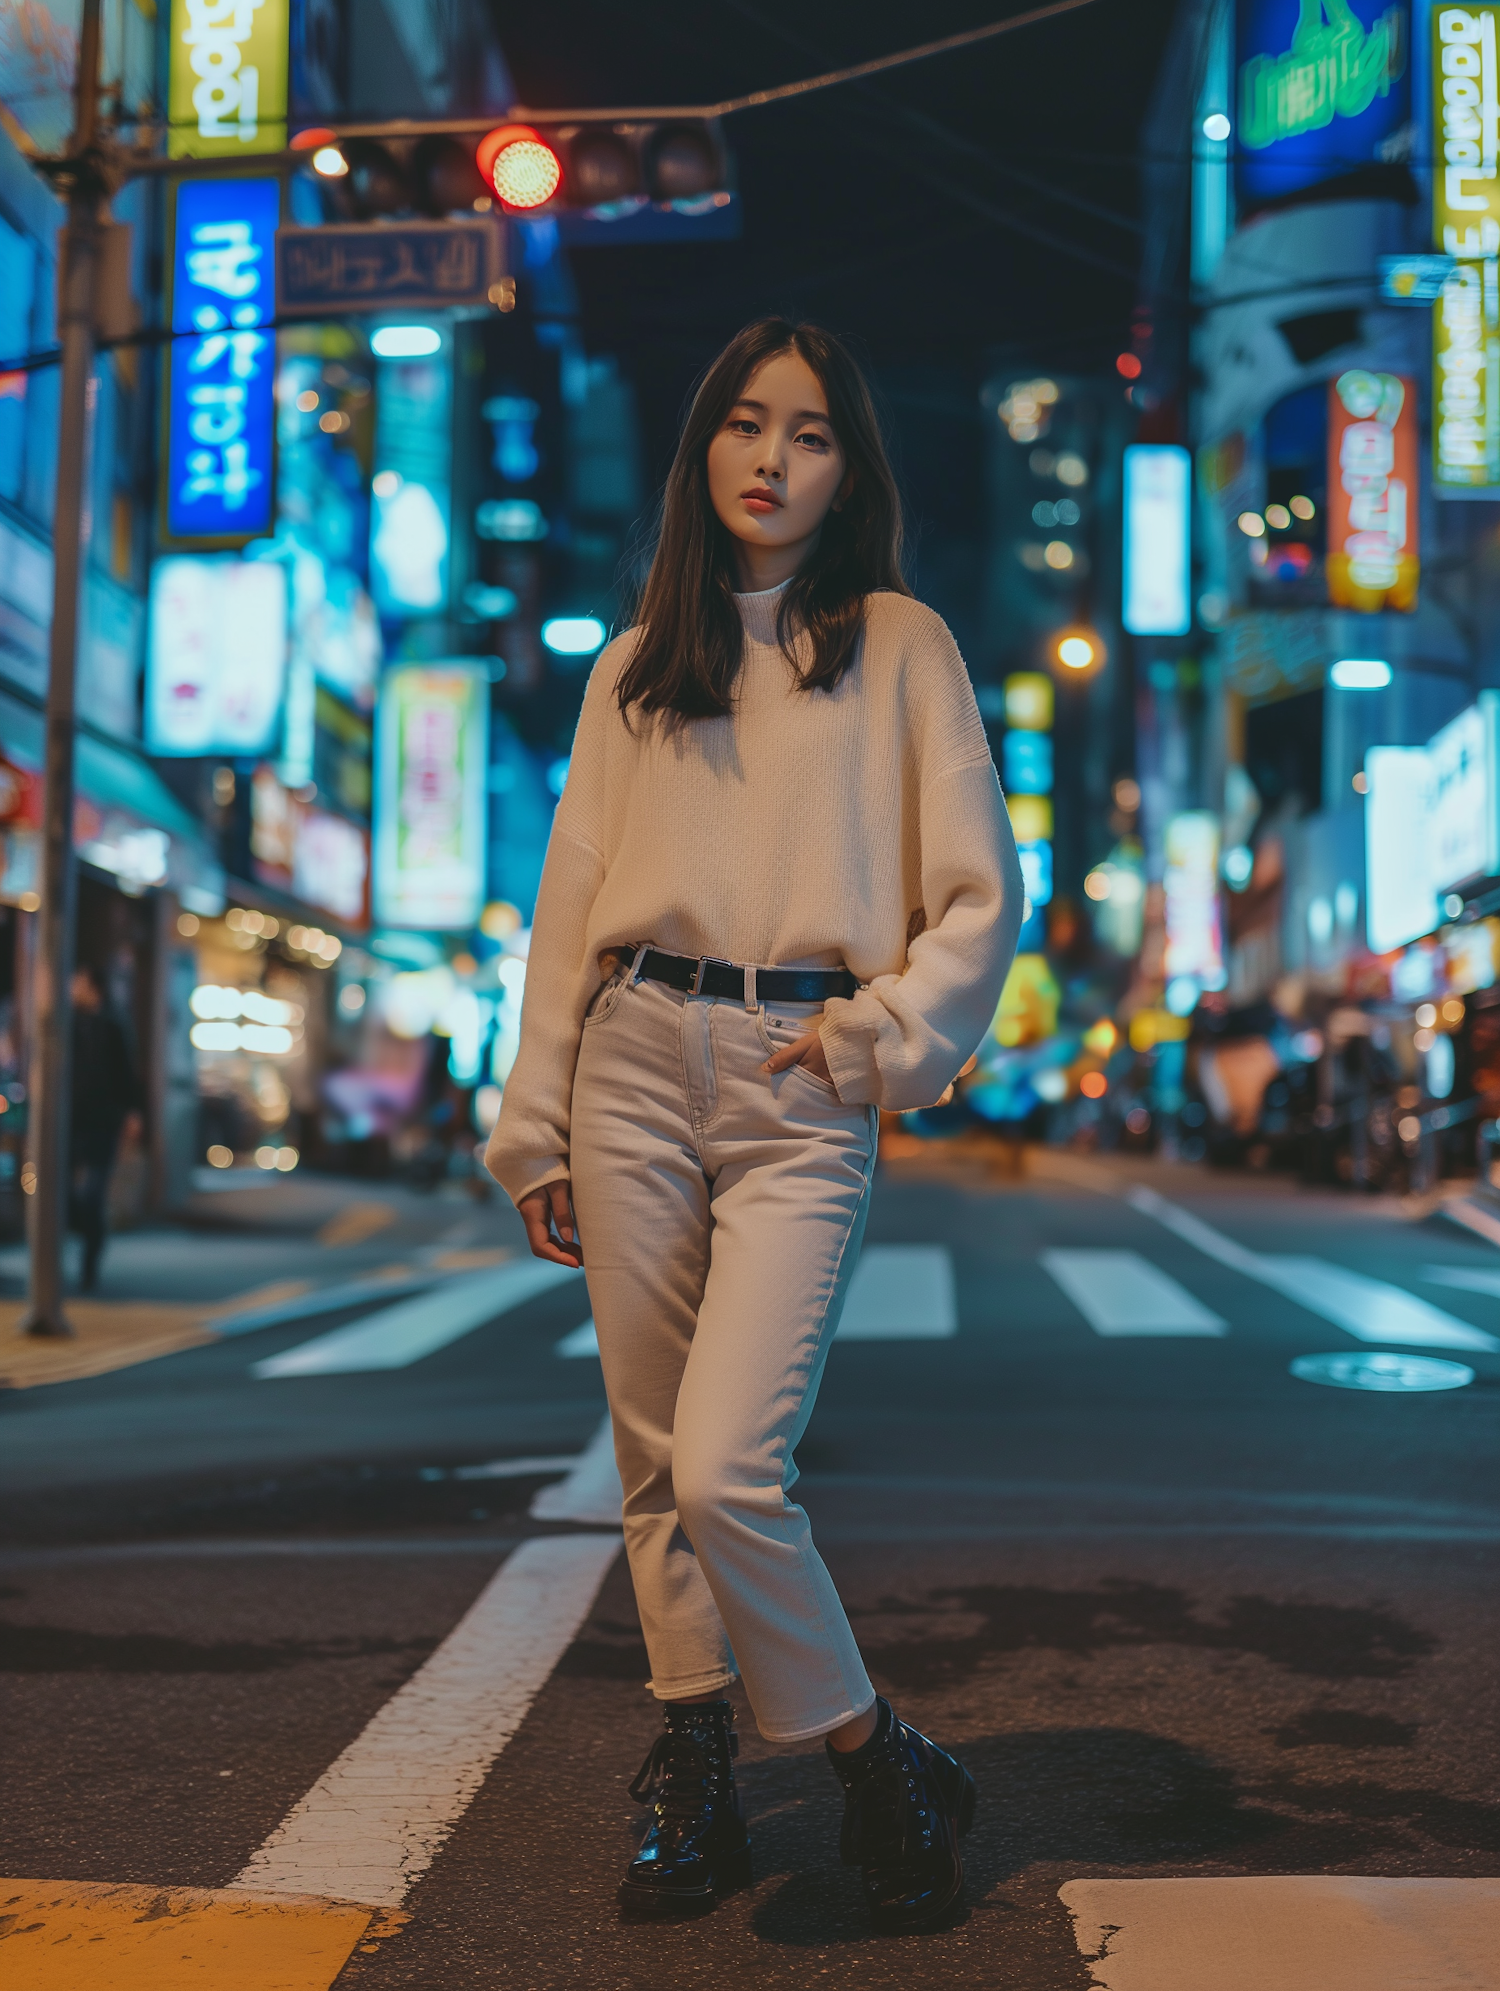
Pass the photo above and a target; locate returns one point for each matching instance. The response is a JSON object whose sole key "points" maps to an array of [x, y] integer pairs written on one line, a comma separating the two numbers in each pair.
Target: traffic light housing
{"points": [[538, 168]]}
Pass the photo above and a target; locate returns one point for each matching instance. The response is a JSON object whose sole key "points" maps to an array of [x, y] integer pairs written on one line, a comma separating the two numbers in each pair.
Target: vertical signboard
{"points": [[1400, 904], [220, 400], [227, 84], [1323, 88], [1373, 560], [431, 758], [1158, 481], [217, 656], [1195, 935], [1466, 224]]}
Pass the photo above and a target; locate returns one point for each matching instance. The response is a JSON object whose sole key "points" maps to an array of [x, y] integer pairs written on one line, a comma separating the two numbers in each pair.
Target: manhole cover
{"points": [[1383, 1372]]}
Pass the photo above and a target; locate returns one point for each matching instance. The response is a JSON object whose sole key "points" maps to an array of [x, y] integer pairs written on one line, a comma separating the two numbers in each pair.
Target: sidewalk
{"points": [[248, 1254]]}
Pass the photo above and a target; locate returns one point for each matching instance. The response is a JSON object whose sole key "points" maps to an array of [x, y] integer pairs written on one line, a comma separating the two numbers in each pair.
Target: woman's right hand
{"points": [[545, 1210]]}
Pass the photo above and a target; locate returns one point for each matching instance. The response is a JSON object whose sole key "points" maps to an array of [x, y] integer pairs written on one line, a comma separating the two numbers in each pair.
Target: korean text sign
{"points": [[228, 87], [221, 409], [1466, 224], [432, 750], [1373, 558]]}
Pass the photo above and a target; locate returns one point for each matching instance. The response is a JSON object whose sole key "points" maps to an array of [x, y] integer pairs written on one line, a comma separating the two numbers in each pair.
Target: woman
{"points": [[781, 892]]}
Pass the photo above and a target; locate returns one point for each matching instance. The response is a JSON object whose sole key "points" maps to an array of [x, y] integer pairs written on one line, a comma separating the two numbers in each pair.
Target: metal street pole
{"points": [[52, 1005]]}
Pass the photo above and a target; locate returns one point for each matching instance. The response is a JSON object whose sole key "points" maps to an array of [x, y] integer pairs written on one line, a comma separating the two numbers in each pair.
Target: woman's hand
{"points": [[544, 1210], [807, 1051]]}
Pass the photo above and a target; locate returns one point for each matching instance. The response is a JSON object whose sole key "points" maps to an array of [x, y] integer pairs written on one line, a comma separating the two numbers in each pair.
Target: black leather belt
{"points": [[703, 975]]}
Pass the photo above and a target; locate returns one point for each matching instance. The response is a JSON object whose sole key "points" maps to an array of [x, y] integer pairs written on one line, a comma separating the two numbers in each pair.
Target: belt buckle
{"points": [[706, 961]]}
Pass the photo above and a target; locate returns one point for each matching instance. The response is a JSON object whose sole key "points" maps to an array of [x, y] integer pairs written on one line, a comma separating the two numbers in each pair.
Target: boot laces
{"points": [[892, 1811], [677, 1776]]}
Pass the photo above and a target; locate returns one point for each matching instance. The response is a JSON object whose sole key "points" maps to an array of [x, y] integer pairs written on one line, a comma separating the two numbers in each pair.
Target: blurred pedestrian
{"points": [[781, 893], [106, 1103]]}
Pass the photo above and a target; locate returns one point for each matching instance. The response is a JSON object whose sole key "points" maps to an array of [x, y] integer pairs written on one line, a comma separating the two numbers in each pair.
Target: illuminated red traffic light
{"points": [[520, 165]]}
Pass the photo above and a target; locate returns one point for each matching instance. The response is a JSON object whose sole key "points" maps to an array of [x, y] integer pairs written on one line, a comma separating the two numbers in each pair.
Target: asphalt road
{"points": [[1183, 1613]]}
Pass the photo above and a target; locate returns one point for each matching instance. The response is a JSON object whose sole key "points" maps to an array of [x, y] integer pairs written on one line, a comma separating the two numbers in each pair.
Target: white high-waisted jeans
{"points": [[721, 1210]]}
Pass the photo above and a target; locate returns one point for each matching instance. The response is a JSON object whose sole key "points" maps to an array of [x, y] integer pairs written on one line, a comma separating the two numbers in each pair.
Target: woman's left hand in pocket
{"points": [[806, 1051]]}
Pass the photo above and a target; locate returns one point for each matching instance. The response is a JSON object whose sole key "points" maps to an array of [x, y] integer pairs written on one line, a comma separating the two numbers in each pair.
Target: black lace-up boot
{"points": [[906, 1802], [697, 1847]]}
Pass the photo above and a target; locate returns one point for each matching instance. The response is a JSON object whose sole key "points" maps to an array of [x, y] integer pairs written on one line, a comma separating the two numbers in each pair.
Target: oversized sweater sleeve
{"points": [[529, 1144], [900, 1041]]}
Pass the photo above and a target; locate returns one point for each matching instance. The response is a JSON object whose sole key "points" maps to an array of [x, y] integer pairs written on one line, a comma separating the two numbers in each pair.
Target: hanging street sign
{"points": [[417, 265]]}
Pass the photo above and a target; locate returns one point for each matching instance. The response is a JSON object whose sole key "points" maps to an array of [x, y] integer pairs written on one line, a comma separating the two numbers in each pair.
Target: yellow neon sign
{"points": [[228, 83]]}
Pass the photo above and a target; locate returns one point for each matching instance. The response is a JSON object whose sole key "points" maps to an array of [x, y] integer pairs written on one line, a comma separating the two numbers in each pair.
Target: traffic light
{"points": [[434, 175], [593, 165]]}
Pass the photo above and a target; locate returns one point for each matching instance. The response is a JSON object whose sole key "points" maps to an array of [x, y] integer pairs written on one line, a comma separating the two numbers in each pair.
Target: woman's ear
{"points": [[845, 492]]}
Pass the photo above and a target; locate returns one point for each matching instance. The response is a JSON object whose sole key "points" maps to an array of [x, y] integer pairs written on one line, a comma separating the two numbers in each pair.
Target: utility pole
{"points": [[78, 251]]}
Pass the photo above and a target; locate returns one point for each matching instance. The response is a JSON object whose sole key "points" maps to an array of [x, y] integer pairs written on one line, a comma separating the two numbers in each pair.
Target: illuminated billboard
{"points": [[1400, 904], [220, 399], [1195, 933], [1372, 560], [1323, 88], [1158, 486], [227, 87], [1466, 224], [431, 761], [216, 657]]}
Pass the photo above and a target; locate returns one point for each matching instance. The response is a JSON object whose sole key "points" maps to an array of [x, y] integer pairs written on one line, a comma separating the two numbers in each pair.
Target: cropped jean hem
{"points": [[820, 1728]]}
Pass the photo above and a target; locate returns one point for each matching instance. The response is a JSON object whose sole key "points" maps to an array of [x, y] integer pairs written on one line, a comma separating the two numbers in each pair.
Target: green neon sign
{"points": [[1335, 68]]}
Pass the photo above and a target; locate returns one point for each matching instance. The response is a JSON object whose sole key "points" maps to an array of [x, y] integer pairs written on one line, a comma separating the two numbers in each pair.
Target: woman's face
{"points": [[776, 467]]}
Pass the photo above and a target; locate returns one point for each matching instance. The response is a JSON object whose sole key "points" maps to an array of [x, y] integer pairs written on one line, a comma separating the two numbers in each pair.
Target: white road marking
{"points": [[1120, 1293], [549, 1462], [1294, 1932], [1369, 1309], [591, 1493], [900, 1292], [375, 1820], [1463, 1278], [323, 1300], [404, 1334], [581, 1343]]}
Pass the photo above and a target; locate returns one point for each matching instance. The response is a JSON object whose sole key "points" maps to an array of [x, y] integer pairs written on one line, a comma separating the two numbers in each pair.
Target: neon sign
{"points": [[221, 404], [1372, 491], [228, 86], [1335, 68], [1323, 89], [1466, 225]]}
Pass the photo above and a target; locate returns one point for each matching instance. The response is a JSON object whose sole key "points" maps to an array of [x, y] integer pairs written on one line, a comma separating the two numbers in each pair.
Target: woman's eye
{"points": [[743, 426], [818, 441]]}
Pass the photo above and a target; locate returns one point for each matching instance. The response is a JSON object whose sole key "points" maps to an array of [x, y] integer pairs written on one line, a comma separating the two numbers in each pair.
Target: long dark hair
{"points": [[688, 655]]}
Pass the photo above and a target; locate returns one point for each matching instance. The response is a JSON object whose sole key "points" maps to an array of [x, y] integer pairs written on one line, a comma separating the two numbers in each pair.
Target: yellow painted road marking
{"points": [[69, 1935], [1288, 1932], [356, 1223], [260, 1296], [108, 1334]]}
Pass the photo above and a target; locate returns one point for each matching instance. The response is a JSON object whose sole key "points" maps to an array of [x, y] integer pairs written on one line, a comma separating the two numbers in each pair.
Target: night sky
{"points": [[927, 214]]}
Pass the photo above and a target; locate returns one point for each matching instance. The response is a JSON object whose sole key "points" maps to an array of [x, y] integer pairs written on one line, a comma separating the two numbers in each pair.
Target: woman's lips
{"points": [[760, 501]]}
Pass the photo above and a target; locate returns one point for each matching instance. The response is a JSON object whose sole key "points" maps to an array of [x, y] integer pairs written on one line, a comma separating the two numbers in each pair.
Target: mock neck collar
{"points": [[758, 612]]}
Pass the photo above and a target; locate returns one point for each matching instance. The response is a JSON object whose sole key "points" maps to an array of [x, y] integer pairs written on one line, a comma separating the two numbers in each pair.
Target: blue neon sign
{"points": [[221, 413]]}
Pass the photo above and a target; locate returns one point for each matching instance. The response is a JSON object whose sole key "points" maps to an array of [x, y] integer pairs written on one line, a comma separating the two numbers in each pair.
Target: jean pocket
{"points": [[604, 1001], [776, 1032]]}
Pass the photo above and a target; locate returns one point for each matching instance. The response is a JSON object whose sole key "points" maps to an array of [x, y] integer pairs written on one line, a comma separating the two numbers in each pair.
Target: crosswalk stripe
{"points": [[375, 1820], [403, 1334], [1463, 1278], [1369, 1309], [1287, 1932], [900, 1292], [1120, 1293], [591, 1494]]}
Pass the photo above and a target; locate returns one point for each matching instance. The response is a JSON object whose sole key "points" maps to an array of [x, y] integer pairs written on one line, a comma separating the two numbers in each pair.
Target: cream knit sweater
{"points": [[805, 829]]}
